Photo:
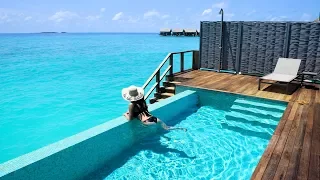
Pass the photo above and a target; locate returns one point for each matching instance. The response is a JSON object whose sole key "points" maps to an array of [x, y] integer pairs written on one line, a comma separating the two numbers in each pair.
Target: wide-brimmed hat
{"points": [[132, 93]]}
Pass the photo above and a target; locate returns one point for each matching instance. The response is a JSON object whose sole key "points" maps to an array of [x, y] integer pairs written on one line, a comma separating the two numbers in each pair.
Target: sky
{"points": [[143, 15]]}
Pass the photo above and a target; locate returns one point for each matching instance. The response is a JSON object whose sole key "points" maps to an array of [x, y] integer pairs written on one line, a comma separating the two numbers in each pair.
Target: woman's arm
{"points": [[129, 114]]}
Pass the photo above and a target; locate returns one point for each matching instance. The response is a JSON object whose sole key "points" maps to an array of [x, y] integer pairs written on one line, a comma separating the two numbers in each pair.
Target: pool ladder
{"points": [[168, 86]]}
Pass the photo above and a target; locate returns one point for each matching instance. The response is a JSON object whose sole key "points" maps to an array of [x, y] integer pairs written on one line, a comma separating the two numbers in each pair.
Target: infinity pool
{"points": [[227, 135]]}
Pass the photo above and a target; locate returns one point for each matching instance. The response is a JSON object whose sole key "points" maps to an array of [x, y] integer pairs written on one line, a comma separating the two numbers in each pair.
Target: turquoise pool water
{"points": [[226, 137], [55, 85]]}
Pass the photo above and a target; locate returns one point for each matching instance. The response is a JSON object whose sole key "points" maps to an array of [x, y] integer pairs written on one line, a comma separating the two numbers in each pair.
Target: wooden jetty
{"points": [[293, 151]]}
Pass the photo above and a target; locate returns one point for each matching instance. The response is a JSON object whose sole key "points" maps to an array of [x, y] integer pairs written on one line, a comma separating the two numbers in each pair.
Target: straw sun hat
{"points": [[132, 93]]}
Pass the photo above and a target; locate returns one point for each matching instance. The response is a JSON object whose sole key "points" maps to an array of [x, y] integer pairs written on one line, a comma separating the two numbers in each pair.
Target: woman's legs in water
{"points": [[168, 128], [164, 126]]}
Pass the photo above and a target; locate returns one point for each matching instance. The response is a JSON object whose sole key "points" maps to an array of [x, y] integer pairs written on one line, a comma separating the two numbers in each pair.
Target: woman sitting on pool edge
{"points": [[138, 108]]}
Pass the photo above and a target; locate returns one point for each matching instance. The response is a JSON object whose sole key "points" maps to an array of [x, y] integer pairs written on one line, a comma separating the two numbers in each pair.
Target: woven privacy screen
{"points": [[254, 47], [210, 43]]}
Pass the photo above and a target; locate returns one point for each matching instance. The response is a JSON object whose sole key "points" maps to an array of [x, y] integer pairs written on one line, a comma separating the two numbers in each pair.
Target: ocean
{"points": [[55, 85]]}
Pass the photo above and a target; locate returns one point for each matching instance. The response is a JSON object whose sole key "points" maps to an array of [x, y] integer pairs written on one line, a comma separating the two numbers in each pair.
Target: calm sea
{"points": [[55, 85]]}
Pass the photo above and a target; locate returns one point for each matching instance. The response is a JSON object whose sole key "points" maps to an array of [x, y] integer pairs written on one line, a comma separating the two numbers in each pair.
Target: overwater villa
{"points": [[165, 32], [177, 32], [250, 99]]}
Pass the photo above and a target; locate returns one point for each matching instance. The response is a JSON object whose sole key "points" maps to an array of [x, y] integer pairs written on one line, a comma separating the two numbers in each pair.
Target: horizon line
{"points": [[66, 32]]}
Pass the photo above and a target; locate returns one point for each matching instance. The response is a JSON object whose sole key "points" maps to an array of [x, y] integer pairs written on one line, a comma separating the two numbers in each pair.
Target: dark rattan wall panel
{"points": [[256, 46]]}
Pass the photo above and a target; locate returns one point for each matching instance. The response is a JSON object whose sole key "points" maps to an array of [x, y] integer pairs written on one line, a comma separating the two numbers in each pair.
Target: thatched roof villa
{"points": [[165, 32], [177, 32]]}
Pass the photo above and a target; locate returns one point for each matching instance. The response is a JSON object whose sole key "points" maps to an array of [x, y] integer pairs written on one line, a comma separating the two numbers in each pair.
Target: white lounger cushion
{"points": [[287, 66], [286, 70], [279, 77]]}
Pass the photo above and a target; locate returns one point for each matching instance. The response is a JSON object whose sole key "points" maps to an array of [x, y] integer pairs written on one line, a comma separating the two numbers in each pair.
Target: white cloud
{"points": [[155, 14], [62, 16], [133, 20], [207, 11], [251, 12], [102, 10], [4, 17], [305, 17], [118, 16], [276, 18], [151, 13], [27, 18], [165, 16], [9, 15], [219, 5], [229, 16], [93, 18]]}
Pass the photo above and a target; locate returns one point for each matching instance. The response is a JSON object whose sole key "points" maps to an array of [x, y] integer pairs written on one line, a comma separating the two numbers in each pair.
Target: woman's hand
{"points": [[126, 115], [129, 113]]}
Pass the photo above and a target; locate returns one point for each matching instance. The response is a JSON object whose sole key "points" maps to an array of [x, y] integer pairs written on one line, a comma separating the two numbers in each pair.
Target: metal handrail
{"points": [[183, 51], [156, 71], [157, 83], [170, 68]]}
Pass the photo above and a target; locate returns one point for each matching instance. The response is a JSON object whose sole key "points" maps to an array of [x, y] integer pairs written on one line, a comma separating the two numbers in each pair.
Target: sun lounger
{"points": [[285, 71]]}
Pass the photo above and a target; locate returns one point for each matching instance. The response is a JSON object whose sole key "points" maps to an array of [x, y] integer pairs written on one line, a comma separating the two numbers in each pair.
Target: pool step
{"points": [[167, 90], [243, 125], [256, 111], [247, 129], [253, 118], [158, 100], [256, 104], [170, 83], [170, 90], [166, 95]]}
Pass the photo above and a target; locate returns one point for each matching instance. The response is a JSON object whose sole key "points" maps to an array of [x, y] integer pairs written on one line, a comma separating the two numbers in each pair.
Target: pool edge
{"points": [[60, 153]]}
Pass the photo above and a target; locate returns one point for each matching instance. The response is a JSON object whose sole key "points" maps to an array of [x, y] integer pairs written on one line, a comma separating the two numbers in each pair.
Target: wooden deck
{"points": [[293, 151]]}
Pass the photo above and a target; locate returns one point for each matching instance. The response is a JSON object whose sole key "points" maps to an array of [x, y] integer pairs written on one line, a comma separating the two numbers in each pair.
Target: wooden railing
{"points": [[156, 73]]}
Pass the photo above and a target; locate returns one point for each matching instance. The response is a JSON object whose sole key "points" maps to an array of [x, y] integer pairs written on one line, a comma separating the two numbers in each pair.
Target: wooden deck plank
{"points": [[224, 83], [290, 157], [291, 107], [204, 80], [317, 98], [216, 82], [305, 154], [260, 169], [293, 151], [245, 86], [280, 147], [314, 166], [262, 165]]}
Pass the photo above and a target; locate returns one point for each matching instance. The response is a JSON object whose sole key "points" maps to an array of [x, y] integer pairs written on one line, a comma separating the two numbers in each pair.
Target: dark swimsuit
{"points": [[140, 107]]}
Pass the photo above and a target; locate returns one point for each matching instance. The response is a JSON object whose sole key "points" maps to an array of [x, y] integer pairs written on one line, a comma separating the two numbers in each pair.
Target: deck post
{"points": [[158, 82], [170, 77], [195, 60], [181, 61]]}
